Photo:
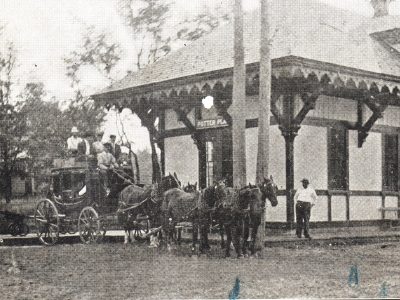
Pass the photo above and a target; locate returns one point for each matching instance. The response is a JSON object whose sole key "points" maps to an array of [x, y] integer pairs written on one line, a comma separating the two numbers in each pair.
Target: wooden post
{"points": [[238, 101], [264, 102], [289, 132], [289, 147]]}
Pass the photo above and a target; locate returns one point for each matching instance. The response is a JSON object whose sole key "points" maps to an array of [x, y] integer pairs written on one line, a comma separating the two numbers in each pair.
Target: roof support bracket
{"points": [[377, 104]]}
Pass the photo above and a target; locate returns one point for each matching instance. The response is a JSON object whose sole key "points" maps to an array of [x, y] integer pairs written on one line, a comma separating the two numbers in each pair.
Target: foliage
{"points": [[97, 51], [202, 24], [12, 122], [46, 135], [146, 19]]}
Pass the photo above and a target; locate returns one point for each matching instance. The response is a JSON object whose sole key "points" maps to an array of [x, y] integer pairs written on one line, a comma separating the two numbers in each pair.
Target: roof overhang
{"points": [[285, 67]]}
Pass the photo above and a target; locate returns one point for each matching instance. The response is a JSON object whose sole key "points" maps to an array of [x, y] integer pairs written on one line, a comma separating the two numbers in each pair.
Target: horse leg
{"points": [[246, 234], [221, 233], [206, 232], [195, 230], [237, 234], [228, 230], [126, 235], [253, 238], [204, 237]]}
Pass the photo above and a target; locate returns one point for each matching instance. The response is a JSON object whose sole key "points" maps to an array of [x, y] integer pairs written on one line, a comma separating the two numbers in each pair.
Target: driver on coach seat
{"points": [[105, 160]]}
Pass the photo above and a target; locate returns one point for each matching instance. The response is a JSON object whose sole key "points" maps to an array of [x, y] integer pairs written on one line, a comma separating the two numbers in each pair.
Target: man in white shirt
{"points": [[98, 146], [73, 141], [305, 199]]}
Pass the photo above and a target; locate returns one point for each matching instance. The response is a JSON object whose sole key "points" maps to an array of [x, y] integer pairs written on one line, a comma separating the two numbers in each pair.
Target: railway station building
{"points": [[335, 108]]}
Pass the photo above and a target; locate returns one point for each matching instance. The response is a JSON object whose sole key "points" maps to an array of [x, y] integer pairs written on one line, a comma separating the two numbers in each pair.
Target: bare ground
{"points": [[116, 271]]}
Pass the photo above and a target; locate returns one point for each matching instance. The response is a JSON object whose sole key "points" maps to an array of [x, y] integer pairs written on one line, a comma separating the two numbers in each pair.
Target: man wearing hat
{"points": [[73, 141], [84, 146], [98, 146], [115, 148], [305, 198]]}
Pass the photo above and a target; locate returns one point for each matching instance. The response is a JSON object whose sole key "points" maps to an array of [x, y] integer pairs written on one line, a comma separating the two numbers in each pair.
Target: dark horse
{"points": [[178, 206], [238, 212], [135, 200]]}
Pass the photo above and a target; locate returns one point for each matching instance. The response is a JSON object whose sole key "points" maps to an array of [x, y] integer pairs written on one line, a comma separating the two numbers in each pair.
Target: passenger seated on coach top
{"points": [[73, 141], [105, 160]]}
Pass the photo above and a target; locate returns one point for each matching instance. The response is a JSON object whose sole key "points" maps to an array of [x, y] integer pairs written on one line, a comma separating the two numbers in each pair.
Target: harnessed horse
{"points": [[135, 200], [238, 212]]}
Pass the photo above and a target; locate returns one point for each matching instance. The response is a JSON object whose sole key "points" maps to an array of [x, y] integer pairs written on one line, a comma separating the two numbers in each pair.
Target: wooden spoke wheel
{"points": [[23, 229], [47, 222], [89, 225], [140, 229]]}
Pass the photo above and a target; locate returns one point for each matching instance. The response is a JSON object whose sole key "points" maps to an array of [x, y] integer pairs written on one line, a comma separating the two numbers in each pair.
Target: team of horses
{"points": [[236, 213]]}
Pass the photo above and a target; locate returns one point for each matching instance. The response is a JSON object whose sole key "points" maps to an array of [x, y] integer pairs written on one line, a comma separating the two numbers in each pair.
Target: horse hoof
{"points": [[240, 256], [227, 255]]}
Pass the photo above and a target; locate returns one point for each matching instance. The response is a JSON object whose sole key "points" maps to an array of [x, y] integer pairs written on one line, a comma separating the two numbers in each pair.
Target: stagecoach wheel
{"points": [[47, 222], [24, 230], [142, 228], [12, 229], [89, 225]]}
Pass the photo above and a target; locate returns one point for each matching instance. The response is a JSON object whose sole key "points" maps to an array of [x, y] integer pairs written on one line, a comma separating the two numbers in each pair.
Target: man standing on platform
{"points": [[305, 199]]}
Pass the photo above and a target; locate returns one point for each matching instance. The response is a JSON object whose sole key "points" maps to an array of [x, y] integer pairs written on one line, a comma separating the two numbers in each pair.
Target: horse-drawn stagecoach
{"points": [[83, 198]]}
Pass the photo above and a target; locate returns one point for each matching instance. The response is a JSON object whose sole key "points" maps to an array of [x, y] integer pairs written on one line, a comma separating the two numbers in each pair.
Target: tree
{"points": [[12, 123], [238, 100], [203, 23], [381, 7], [146, 19], [47, 129], [96, 51], [264, 102]]}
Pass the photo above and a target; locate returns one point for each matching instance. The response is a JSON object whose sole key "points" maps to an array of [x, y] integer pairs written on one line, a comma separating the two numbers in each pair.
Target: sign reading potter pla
{"points": [[211, 123]]}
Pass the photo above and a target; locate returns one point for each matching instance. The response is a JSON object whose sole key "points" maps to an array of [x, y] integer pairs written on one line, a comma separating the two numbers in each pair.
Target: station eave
{"points": [[284, 67]]}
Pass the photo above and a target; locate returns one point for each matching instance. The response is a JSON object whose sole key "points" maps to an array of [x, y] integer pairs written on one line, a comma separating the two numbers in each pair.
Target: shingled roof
{"points": [[302, 28]]}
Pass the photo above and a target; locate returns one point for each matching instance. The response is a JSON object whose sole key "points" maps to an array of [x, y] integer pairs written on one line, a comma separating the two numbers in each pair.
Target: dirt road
{"points": [[116, 271]]}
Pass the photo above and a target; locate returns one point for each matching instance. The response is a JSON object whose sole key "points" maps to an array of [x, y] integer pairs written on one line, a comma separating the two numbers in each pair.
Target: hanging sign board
{"points": [[211, 123]]}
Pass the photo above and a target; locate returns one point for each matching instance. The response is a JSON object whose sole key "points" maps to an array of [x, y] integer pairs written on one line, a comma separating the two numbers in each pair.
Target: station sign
{"points": [[211, 123]]}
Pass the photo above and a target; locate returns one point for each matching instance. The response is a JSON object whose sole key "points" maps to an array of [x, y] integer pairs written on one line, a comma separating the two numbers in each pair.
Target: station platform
{"points": [[320, 237]]}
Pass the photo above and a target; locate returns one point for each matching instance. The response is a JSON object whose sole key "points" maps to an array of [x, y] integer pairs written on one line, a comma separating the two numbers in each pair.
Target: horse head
{"points": [[269, 190], [190, 188], [169, 182]]}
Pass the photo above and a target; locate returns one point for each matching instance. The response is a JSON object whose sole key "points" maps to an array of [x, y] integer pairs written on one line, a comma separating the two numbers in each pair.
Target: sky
{"points": [[46, 31]]}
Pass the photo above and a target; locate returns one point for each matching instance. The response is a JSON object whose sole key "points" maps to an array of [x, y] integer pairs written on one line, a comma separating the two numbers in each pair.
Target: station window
{"points": [[337, 159], [390, 162], [209, 163]]}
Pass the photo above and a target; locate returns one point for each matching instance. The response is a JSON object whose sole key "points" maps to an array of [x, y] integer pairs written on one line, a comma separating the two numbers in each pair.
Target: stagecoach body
{"points": [[78, 200]]}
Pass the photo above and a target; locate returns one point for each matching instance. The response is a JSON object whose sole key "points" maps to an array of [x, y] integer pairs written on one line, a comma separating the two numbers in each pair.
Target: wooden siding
{"points": [[365, 208], [310, 157], [333, 108], [391, 202], [277, 213], [171, 119], [276, 159], [391, 117], [338, 208], [365, 164], [319, 212], [251, 153], [181, 156]]}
